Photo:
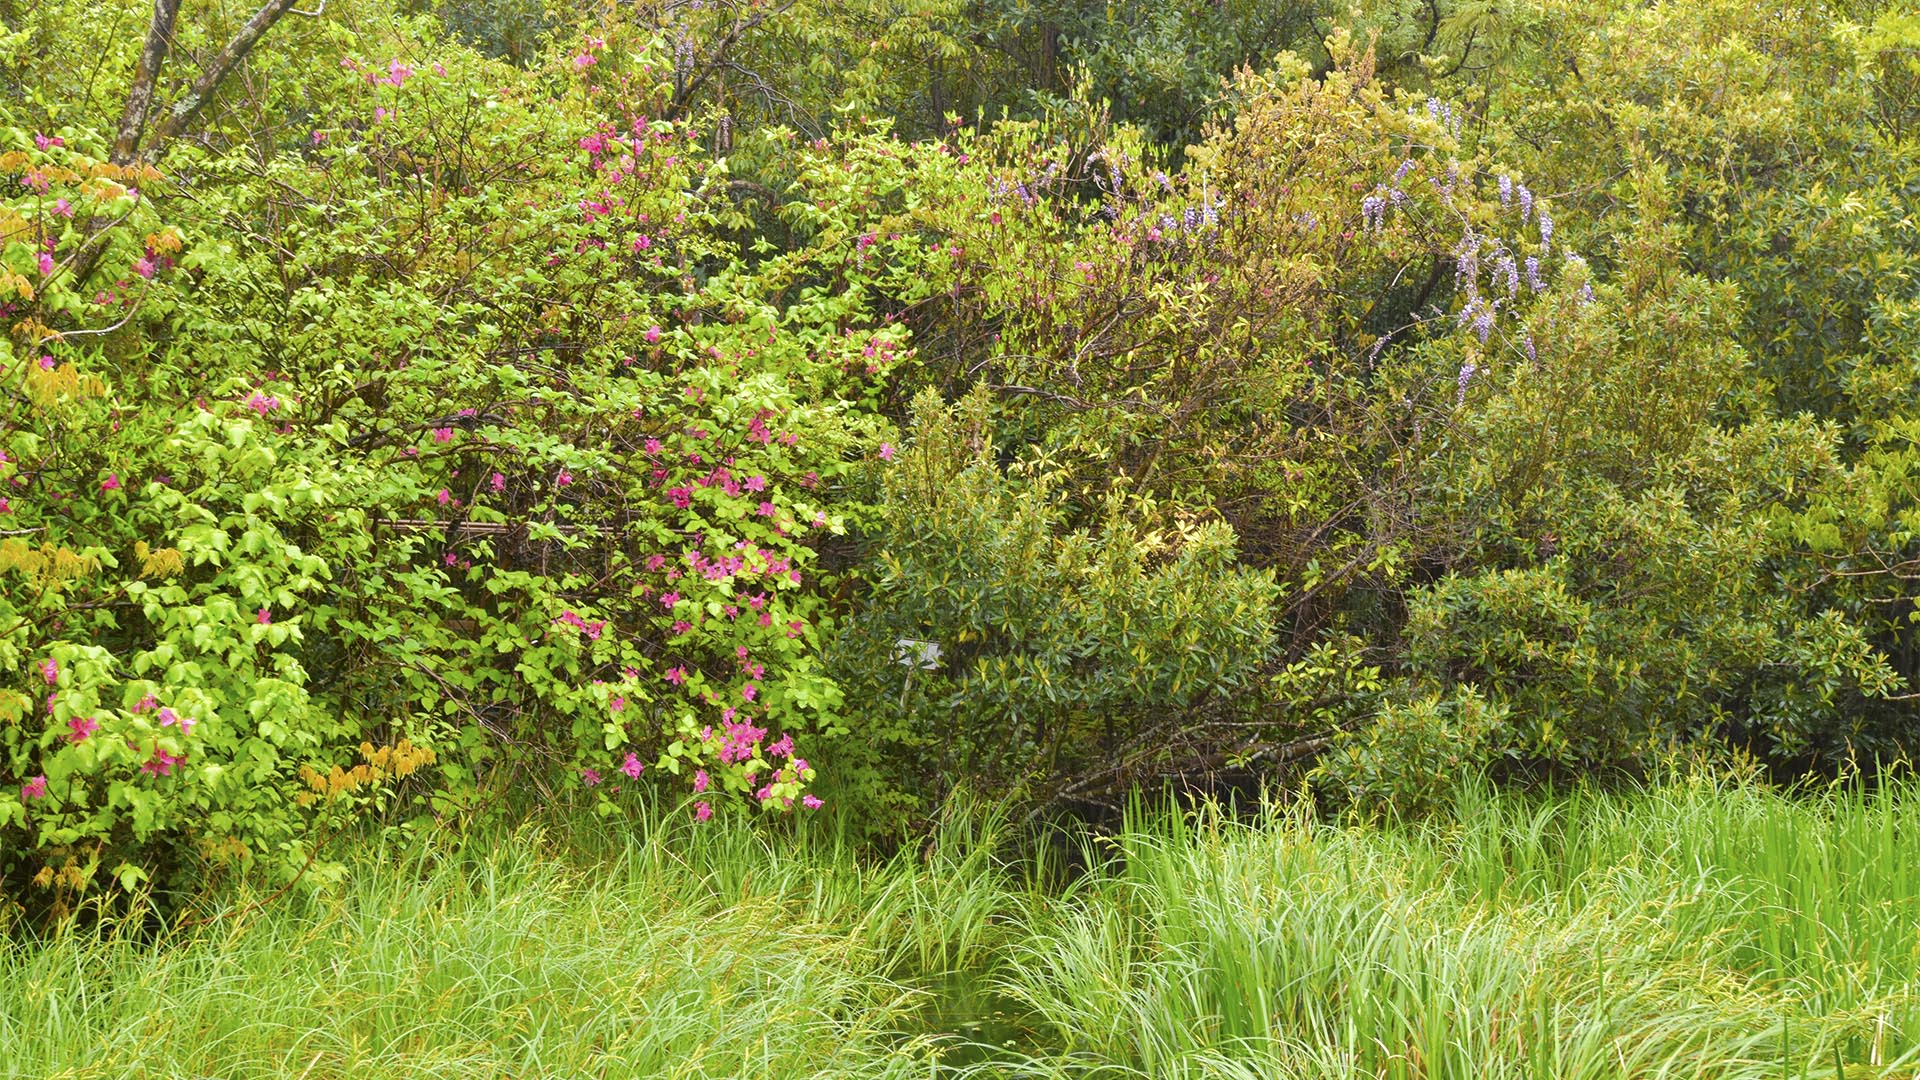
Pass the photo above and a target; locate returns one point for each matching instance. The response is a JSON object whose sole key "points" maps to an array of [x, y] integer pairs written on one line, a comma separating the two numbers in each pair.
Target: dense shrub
{"points": [[388, 426], [1043, 664]]}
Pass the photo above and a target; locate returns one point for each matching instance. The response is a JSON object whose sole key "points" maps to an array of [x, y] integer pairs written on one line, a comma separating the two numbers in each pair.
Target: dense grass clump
{"points": [[1690, 931], [551, 952], [1684, 931]]}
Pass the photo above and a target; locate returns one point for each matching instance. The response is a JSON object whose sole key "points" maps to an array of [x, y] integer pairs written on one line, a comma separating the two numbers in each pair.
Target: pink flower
{"points": [[46, 264], [63, 208], [80, 728], [667, 600], [262, 403], [653, 338], [168, 716], [811, 802], [701, 811], [48, 363], [590, 776], [499, 482], [677, 676], [700, 781], [264, 617], [766, 509], [886, 451], [749, 691], [617, 704], [36, 788], [50, 670], [45, 142], [444, 497], [111, 483], [144, 267], [632, 766], [442, 434], [145, 704], [161, 763], [564, 478]]}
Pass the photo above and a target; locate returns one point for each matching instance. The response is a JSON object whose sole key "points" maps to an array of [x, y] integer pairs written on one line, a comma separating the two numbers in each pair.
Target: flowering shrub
{"points": [[428, 493]]}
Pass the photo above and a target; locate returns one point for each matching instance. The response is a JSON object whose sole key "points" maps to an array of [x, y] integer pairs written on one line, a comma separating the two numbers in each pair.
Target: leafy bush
{"points": [[1044, 664], [517, 475]]}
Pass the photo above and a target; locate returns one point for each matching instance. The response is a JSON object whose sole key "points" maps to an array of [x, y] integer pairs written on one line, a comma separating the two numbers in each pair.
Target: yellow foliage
{"points": [[381, 763], [163, 563], [48, 385], [48, 564]]}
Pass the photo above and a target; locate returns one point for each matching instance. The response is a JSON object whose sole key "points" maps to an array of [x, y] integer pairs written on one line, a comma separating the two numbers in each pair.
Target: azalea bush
{"points": [[522, 478]]}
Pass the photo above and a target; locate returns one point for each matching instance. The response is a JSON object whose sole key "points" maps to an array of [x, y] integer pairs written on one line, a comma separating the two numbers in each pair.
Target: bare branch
{"points": [[195, 99]]}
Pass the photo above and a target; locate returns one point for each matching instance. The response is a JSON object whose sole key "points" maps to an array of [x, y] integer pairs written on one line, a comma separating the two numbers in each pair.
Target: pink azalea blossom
{"points": [[886, 451], [50, 670], [677, 676], [590, 776], [80, 728], [632, 766], [700, 781], [36, 788], [264, 617], [811, 802], [46, 264], [111, 483], [499, 482], [701, 811], [144, 267]]}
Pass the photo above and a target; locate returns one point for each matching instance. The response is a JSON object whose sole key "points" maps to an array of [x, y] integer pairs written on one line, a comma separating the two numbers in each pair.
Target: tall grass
{"points": [[1685, 931], [575, 952], [1690, 931]]}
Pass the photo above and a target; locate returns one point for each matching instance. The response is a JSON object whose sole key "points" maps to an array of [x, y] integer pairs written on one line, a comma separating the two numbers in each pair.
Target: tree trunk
{"points": [[133, 120]]}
